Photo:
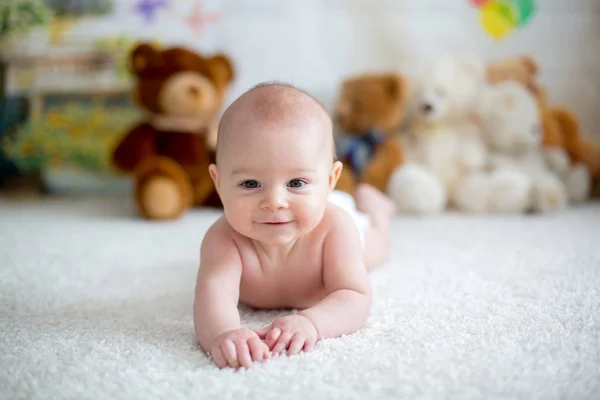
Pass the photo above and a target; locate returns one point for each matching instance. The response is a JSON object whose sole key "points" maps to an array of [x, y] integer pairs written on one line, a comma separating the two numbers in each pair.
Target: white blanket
{"points": [[98, 304]]}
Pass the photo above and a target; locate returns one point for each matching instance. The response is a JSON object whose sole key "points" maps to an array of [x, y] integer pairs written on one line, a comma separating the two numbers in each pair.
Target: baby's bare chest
{"points": [[297, 283]]}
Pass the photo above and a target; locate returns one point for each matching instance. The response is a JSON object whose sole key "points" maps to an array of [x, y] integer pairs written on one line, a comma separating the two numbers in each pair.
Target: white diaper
{"points": [[346, 202]]}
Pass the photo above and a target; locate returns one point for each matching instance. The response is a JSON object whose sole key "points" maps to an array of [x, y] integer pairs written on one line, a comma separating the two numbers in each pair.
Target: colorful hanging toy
{"points": [[500, 18]]}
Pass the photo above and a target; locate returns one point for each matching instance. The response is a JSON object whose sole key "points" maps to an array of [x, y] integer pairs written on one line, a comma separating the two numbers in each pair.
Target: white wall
{"points": [[315, 43]]}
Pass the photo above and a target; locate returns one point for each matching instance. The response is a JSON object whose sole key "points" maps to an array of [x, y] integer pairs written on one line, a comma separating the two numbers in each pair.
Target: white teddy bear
{"points": [[442, 141], [521, 174]]}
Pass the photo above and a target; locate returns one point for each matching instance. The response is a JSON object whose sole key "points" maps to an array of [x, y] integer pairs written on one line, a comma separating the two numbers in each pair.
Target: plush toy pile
{"points": [[461, 135], [472, 136]]}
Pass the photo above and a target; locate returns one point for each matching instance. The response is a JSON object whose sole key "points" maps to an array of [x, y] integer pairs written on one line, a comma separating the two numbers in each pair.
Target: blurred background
{"points": [[66, 88]]}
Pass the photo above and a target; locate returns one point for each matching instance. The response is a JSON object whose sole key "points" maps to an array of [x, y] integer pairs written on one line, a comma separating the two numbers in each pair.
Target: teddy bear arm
{"points": [[473, 154], [136, 146], [378, 170], [556, 159]]}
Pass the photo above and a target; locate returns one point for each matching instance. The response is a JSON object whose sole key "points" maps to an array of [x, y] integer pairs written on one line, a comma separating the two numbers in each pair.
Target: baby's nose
{"points": [[274, 200]]}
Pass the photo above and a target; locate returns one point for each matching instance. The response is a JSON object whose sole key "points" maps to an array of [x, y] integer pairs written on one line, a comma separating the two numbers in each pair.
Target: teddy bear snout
{"points": [[194, 91], [427, 108]]}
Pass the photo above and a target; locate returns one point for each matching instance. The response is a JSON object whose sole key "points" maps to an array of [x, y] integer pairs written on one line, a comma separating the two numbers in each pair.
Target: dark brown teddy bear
{"points": [[169, 152]]}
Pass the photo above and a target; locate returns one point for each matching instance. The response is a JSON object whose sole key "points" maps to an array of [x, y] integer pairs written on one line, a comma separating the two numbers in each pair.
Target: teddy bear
{"points": [[441, 140], [168, 153], [559, 125], [369, 109], [522, 68], [512, 129]]}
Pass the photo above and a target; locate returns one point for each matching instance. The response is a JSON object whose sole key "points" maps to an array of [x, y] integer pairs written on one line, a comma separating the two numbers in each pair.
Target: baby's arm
{"points": [[216, 317], [348, 304]]}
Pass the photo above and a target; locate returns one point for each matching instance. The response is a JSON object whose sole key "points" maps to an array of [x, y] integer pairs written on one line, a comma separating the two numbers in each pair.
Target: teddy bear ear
{"points": [[222, 69], [395, 86], [530, 64], [142, 57]]}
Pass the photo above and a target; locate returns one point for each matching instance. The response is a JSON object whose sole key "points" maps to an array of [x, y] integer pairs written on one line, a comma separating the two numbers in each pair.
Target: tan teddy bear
{"points": [[369, 110]]}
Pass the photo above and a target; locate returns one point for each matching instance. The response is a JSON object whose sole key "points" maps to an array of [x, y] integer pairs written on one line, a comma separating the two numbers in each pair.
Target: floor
{"points": [[96, 303]]}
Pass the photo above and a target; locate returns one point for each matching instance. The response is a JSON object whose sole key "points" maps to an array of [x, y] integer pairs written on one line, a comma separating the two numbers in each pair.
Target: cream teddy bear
{"points": [[535, 178], [441, 141]]}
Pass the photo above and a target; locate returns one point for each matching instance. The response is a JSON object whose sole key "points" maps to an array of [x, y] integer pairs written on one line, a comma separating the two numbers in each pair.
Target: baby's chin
{"points": [[275, 236]]}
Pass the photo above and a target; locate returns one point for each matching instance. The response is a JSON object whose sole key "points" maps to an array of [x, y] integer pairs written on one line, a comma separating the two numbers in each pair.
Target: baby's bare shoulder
{"points": [[219, 247], [336, 219]]}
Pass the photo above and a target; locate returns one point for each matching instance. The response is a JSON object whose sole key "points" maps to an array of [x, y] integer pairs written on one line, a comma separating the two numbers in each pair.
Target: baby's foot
{"points": [[373, 202]]}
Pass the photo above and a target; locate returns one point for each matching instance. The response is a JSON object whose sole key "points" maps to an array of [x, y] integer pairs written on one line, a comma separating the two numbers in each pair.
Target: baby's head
{"points": [[275, 164]]}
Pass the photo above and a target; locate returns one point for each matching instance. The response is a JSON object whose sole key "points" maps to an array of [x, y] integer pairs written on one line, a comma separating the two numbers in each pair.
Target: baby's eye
{"points": [[250, 184], [296, 183]]}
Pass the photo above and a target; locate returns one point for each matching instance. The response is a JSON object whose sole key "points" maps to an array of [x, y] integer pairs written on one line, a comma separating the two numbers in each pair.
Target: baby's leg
{"points": [[380, 210]]}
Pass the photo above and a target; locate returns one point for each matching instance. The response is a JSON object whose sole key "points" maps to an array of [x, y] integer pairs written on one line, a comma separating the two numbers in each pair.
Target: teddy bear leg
{"points": [[471, 194], [548, 194], [578, 183], [509, 191], [416, 190], [377, 172], [162, 189]]}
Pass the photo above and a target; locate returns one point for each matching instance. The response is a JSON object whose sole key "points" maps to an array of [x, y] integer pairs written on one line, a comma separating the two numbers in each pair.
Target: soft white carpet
{"points": [[96, 304]]}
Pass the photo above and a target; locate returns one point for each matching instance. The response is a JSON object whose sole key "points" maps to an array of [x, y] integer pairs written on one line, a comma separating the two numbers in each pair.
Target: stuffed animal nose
{"points": [[427, 108], [194, 92]]}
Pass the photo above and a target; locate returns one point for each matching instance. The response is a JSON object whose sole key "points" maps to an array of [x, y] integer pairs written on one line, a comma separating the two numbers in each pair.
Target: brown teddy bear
{"points": [[559, 125], [369, 110], [169, 152]]}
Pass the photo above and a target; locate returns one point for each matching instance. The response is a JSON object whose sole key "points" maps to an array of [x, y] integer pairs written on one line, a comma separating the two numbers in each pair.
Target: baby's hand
{"points": [[293, 332], [238, 347]]}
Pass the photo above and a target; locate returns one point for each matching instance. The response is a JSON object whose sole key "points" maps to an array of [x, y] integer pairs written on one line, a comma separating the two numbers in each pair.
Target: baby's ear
{"points": [[214, 174], [334, 174]]}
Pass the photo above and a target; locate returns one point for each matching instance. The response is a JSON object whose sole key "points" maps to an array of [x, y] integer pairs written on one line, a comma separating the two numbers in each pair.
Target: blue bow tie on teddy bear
{"points": [[357, 150]]}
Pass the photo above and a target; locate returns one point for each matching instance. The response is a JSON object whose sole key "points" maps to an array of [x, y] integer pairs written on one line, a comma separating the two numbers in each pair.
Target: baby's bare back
{"points": [[295, 281]]}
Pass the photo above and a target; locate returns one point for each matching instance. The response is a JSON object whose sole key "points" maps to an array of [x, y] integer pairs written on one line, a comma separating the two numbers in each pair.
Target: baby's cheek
{"points": [[311, 210]]}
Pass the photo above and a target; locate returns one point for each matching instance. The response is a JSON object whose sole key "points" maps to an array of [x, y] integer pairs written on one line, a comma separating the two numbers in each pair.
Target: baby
{"points": [[287, 239]]}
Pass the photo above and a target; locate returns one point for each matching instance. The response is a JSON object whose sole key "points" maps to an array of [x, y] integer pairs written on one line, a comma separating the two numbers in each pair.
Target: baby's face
{"points": [[274, 180]]}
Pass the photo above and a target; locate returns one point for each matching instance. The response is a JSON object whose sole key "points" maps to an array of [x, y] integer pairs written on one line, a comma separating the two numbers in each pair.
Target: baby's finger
{"points": [[218, 357], [283, 342], [258, 349], [243, 353], [309, 345], [296, 344], [230, 353], [272, 337], [262, 333]]}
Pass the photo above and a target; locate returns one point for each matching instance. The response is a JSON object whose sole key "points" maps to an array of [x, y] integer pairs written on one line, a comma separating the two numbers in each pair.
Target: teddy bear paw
{"points": [[161, 198], [578, 183], [472, 193], [549, 194], [416, 190], [509, 191]]}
